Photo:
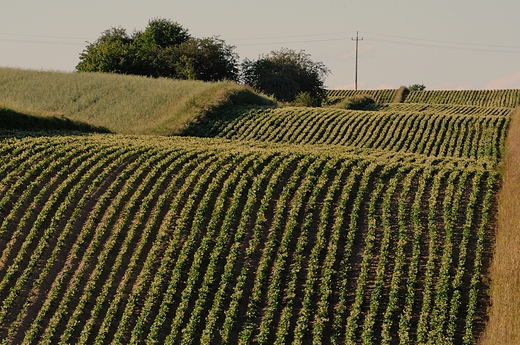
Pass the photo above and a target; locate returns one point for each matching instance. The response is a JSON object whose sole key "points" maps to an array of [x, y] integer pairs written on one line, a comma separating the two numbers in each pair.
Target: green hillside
{"points": [[478, 135], [260, 225], [118, 103]]}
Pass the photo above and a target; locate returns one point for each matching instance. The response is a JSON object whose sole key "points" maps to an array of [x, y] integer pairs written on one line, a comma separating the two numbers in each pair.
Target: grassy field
{"points": [[260, 225], [119, 103]]}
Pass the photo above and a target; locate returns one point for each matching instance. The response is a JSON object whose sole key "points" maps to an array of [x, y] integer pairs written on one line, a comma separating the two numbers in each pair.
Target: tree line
{"points": [[166, 49]]}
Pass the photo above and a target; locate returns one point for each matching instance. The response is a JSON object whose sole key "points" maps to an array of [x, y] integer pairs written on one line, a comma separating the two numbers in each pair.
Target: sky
{"points": [[442, 44]]}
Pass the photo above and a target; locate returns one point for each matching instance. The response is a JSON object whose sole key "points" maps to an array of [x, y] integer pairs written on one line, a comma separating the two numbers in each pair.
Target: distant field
{"points": [[432, 132], [482, 98], [380, 96]]}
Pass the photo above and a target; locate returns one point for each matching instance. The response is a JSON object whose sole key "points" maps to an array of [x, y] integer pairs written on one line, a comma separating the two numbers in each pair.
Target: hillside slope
{"points": [[119, 103]]}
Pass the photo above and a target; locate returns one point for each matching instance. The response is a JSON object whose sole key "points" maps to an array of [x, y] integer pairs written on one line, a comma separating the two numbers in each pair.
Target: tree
{"points": [[113, 52], [208, 59], [285, 74], [162, 33], [163, 49], [417, 87]]}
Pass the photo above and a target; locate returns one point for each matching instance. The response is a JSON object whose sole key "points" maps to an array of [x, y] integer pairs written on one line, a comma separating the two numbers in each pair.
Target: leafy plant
{"points": [[285, 74], [358, 102]]}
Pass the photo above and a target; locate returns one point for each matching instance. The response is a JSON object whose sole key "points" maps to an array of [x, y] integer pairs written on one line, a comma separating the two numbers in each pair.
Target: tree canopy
{"points": [[285, 74], [163, 49], [166, 49]]}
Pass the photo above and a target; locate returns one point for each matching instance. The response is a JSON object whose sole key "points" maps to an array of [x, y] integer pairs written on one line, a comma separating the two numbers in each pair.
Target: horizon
{"points": [[442, 45]]}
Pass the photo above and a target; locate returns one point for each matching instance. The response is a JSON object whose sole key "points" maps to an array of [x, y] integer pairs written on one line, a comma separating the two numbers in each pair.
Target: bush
{"points": [[417, 87], [285, 74], [305, 99], [358, 102], [163, 49]]}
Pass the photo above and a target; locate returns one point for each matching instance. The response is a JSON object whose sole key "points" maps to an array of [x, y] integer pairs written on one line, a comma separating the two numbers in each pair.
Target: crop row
{"points": [[448, 109], [128, 241], [433, 134], [380, 96], [481, 98]]}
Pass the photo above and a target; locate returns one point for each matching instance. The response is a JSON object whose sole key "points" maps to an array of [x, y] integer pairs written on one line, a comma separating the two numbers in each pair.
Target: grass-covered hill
{"points": [[110, 102], [283, 225]]}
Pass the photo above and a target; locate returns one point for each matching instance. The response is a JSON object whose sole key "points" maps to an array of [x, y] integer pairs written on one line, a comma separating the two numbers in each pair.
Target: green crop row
{"points": [[115, 239], [434, 134], [481, 98]]}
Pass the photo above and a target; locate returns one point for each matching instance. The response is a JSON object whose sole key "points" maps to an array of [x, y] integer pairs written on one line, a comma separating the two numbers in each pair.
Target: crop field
{"points": [[477, 135], [115, 239], [483, 98], [380, 96], [260, 225]]}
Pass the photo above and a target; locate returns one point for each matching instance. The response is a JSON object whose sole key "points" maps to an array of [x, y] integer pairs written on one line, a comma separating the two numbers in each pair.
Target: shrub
{"points": [[417, 87], [285, 74], [306, 99], [358, 102]]}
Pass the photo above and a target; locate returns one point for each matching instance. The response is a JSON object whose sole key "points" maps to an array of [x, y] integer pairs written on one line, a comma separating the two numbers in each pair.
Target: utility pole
{"points": [[357, 39]]}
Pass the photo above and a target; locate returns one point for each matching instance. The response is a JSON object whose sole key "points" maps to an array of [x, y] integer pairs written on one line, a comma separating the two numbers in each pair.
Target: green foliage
{"points": [[205, 59], [417, 87], [163, 49], [285, 74], [306, 99], [161, 33], [113, 52], [358, 102]]}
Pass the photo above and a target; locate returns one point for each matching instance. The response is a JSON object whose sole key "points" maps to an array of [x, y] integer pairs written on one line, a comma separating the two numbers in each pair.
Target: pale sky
{"points": [[455, 44]]}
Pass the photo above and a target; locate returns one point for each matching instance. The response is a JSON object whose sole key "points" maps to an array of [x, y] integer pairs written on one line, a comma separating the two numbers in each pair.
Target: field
{"points": [[282, 225], [111, 102]]}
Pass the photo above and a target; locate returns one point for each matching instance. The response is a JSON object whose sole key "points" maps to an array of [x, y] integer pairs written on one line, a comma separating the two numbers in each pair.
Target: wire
{"points": [[448, 42], [443, 44], [41, 42], [45, 36], [293, 42], [446, 47], [279, 37]]}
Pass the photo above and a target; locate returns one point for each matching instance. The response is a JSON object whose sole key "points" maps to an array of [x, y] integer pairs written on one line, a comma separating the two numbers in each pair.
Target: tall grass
{"points": [[120, 103], [504, 318]]}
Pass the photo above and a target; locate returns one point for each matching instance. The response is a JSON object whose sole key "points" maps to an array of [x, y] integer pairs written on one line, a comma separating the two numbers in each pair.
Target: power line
{"points": [[292, 36], [447, 47], [45, 36], [441, 41], [41, 42]]}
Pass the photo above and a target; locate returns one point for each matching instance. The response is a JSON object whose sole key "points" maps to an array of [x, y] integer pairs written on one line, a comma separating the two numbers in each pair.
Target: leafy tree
{"points": [[163, 49], [207, 59], [162, 33], [417, 87], [113, 52], [285, 74]]}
